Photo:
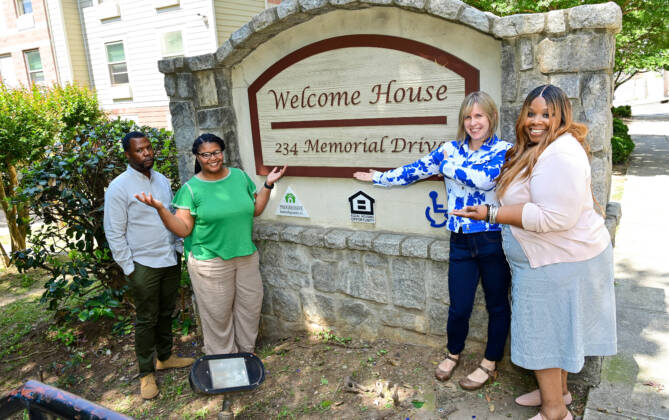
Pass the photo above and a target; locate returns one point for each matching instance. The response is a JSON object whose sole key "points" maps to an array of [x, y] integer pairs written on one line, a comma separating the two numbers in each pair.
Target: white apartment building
{"points": [[113, 46]]}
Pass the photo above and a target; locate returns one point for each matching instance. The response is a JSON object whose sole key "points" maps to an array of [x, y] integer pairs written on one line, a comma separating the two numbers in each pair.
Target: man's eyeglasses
{"points": [[208, 155]]}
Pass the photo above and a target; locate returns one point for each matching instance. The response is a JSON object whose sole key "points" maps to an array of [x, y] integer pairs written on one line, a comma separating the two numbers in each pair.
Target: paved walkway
{"points": [[635, 383]]}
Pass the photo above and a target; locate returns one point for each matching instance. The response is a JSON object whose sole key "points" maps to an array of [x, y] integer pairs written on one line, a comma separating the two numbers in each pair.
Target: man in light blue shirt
{"points": [[149, 255]]}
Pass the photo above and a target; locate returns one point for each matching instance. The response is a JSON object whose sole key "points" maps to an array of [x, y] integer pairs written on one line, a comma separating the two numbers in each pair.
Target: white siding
{"points": [[59, 41], [233, 14], [139, 28]]}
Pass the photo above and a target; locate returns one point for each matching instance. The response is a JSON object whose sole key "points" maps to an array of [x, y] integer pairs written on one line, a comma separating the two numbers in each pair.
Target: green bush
{"points": [[28, 124], [623, 111], [66, 189], [621, 142], [76, 106]]}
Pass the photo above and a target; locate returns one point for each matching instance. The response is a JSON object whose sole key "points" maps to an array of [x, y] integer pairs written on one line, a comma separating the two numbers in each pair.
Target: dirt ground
{"points": [[312, 376], [308, 376]]}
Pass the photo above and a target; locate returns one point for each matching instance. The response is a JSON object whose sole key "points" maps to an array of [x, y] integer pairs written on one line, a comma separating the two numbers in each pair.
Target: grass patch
{"points": [[16, 320], [14, 283]]}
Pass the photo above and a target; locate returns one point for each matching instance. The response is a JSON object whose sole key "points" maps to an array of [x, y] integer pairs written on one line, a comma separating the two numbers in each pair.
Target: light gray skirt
{"points": [[561, 312]]}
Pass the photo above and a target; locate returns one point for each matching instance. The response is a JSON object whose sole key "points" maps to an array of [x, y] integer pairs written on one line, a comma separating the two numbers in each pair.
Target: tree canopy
{"points": [[642, 45]]}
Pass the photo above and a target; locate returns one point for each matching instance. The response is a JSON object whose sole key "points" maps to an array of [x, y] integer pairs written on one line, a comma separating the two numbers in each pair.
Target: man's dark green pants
{"points": [[154, 291]]}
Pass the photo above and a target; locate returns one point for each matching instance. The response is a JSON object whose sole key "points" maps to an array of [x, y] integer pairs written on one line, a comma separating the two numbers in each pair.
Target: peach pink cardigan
{"points": [[559, 221]]}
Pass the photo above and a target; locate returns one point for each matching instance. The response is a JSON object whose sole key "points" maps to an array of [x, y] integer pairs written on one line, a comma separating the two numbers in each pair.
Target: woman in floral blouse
{"points": [[469, 165]]}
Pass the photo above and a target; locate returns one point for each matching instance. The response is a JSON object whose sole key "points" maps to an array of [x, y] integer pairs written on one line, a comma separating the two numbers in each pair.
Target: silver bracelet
{"points": [[493, 214]]}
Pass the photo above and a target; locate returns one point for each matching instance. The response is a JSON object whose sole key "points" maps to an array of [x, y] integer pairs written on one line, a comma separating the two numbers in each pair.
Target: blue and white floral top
{"points": [[469, 177]]}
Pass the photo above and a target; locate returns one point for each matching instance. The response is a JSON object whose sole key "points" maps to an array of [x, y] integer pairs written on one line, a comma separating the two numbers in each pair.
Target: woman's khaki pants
{"points": [[229, 297]]}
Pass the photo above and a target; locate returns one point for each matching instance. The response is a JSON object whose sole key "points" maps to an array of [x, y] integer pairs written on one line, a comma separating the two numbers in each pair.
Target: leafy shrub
{"points": [[621, 142], [28, 123], [31, 119], [623, 111], [66, 189], [75, 106]]}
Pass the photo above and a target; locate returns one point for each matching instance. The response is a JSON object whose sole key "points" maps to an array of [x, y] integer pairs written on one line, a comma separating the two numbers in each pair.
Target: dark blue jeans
{"points": [[475, 255]]}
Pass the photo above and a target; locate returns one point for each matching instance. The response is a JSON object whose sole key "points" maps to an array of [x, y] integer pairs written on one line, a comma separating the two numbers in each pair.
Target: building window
{"points": [[171, 44], [34, 63], [7, 73], [24, 7], [118, 69]]}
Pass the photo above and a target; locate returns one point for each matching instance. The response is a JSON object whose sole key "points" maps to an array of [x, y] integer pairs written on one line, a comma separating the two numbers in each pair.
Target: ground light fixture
{"points": [[226, 373]]}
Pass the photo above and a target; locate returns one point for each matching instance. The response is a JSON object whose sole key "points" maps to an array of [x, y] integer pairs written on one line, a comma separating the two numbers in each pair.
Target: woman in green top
{"points": [[215, 211]]}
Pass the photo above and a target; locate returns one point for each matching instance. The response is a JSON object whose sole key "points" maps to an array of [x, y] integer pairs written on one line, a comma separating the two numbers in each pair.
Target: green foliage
{"points": [[621, 142], [63, 334], [75, 106], [642, 44], [29, 121], [66, 190], [623, 111], [330, 337]]}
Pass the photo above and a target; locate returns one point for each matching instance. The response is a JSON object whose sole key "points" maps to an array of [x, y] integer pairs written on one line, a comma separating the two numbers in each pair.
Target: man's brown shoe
{"points": [[174, 362], [148, 387]]}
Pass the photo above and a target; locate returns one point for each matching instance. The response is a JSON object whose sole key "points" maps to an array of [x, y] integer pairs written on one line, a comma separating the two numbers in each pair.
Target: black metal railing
{"points": [[47, 402]]}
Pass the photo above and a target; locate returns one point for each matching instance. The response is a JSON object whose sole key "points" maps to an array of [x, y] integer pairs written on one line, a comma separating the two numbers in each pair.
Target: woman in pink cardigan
{"points": [[559, 251]]}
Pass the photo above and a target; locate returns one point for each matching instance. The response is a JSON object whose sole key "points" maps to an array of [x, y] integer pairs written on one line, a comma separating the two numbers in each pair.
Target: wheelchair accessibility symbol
{"points": [[436, 209]]}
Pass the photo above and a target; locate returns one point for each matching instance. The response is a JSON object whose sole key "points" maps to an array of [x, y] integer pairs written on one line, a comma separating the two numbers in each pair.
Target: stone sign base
{"points": [[369, 285]]}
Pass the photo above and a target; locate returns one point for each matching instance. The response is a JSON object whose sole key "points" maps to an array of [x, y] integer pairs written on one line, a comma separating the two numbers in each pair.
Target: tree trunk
{"points": [[5, 257], [13, 214]]}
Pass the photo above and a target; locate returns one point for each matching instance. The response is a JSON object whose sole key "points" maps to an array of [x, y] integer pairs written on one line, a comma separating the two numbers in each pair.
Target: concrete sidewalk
{"points": [[635, 382]]}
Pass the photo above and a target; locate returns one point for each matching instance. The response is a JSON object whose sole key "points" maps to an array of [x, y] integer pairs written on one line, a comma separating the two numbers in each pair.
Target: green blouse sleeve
{"points": [[250, 186], [184, 199]]}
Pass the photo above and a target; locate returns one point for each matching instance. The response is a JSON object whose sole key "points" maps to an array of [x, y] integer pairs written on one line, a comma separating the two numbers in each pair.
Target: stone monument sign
{"points": [[332, 86]]}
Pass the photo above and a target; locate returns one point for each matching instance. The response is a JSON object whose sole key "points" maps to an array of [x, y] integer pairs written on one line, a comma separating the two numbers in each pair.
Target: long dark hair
{"points": [[205, 138], [522, 157]]}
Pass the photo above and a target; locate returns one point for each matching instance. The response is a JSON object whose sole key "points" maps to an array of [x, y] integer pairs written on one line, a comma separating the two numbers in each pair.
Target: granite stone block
{"points": [[416, 246], [411, 4], [361, 240], [526, 53], [286, 304], [292, 233], [353, 312], [170, 83], [318, 308], [200, 62], [447, 9], [476, 19], [313, 236], [324, 276], [596, 16], [206, 92], [568, 82], [408, 289], [577, 52], [336, 238], [387, 243], [515, 25], [394, 317], [555, 22]]}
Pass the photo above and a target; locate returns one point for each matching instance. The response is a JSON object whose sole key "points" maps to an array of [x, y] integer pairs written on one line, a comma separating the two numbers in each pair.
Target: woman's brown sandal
{"points": [[444, 375], [470, 385]]}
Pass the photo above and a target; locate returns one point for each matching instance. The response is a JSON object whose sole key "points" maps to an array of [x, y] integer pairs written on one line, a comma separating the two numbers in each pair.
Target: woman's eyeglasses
{"points": [[208, 155]]}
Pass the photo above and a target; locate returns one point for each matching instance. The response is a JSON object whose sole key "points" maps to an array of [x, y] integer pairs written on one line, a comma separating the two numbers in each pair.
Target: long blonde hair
{"points": [[488, 107], [522, 157]]}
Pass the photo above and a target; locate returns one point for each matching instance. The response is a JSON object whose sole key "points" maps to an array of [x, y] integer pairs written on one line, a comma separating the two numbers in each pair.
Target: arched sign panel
{"points": [[356, 101]]}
